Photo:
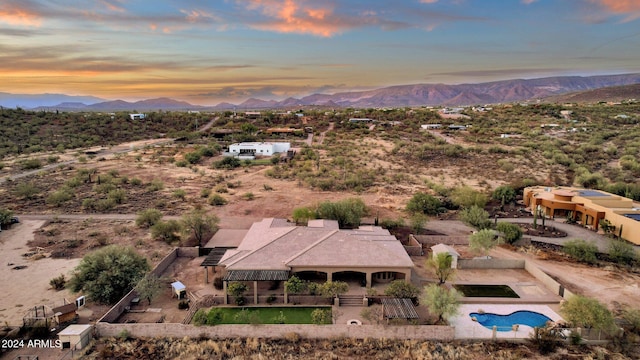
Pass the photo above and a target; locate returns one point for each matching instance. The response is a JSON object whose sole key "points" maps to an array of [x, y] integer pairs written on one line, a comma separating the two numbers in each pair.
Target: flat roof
{"points": [[592, 193], [76, 329], [635, 217]]}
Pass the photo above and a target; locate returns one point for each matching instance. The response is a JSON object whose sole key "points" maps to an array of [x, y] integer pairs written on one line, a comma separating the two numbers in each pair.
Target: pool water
{"points": [[503, 291], [506, 322]]}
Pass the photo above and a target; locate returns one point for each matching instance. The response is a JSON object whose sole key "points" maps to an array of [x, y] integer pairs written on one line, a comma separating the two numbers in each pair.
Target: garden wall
{"points": [[419, 332], [414, 248], [431, 240], [491, 264]]}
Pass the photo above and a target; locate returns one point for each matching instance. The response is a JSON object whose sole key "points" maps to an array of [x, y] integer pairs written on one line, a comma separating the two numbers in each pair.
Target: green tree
{"points": [[511, 232], [199, 225], [237, 290], [107, 274], [476, 217], [482, 241], [402, 289], [295, 285], [418, 221], [167, 231], [505, 194], [425, 204], [149, 287], [466, 197], [441, 266], [332, 289], [347, 212], [581, 311], [148, 217], [321, 316], [581, 250], [440, 301]]}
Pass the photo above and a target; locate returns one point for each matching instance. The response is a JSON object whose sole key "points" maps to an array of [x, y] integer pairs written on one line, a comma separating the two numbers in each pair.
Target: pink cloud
{"points": [[113, 5], [630, 8], [300, 17], [13, 14]]}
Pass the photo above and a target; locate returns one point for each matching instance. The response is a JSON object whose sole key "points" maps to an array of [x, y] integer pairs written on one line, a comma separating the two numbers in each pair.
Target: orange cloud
{"points": [[292, 16], [631, 8], [15, 15], [113, 5]]}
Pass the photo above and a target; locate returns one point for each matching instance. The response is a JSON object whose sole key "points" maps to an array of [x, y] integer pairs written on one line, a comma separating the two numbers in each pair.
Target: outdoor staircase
{"points": [[350, 300]]}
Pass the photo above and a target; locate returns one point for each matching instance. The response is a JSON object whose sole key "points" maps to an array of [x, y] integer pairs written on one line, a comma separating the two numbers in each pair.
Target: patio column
{"points": [[368, 277], [224, 288], [206, 275], [255, 292], [329, 276], [286, 296]]}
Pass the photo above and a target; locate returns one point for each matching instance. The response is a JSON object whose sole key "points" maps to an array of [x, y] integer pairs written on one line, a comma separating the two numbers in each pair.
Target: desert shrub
{"points": [[179, 194], [104, 188], [181, 163], [505, 194], [148, 217], [59, 197], [155, 185], [302, 215], [104, 204], [193, 157], [167, 231], [118, 196], [425, 203], [204, 193], [218, 283], [581, 250], [545, 339], [248, 196], [476, 217], [27, 190], [58, 283], [30, 164], [511, 232], [466, 197], [622, 252], [136, 182], [227, 163], [391, 224], [217, 200]]}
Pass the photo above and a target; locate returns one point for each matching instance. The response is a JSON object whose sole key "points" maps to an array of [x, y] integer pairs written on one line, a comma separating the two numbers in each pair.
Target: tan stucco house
{"points": [[274, 249], [587, 207]]}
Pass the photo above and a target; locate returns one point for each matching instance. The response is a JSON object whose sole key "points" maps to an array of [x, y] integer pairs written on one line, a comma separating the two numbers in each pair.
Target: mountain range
{"points": [[393, 96]]}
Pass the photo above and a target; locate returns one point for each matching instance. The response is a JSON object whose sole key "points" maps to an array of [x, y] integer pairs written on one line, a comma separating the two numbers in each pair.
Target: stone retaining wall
{"points": [[418, 332]]}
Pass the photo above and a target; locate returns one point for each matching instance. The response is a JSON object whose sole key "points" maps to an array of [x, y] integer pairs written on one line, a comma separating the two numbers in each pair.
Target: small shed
{"points": [[442, 248], [66, 313], [179, 289], [75, 337]]}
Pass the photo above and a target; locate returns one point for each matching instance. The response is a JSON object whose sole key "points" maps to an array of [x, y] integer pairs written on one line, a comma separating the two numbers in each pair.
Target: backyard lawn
{"points": [[260, 315]]}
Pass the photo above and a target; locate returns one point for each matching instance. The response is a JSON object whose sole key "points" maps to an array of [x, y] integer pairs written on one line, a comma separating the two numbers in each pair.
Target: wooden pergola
{"points": [[394, 308]]}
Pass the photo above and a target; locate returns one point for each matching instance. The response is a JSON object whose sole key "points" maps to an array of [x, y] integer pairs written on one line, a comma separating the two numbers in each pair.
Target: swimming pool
{"points": [[506, 322]]}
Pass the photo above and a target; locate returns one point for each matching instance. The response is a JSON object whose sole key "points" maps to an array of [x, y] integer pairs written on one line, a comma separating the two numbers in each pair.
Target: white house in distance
{"points": [[136, 116], [253, 149]]}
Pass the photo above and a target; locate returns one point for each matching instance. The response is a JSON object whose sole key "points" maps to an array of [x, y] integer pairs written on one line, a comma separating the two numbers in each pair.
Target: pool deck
{"points": [[466, 328]]}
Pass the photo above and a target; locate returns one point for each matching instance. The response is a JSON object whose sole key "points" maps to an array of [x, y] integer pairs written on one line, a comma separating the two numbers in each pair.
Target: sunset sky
{"points": [[206, 52]]}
